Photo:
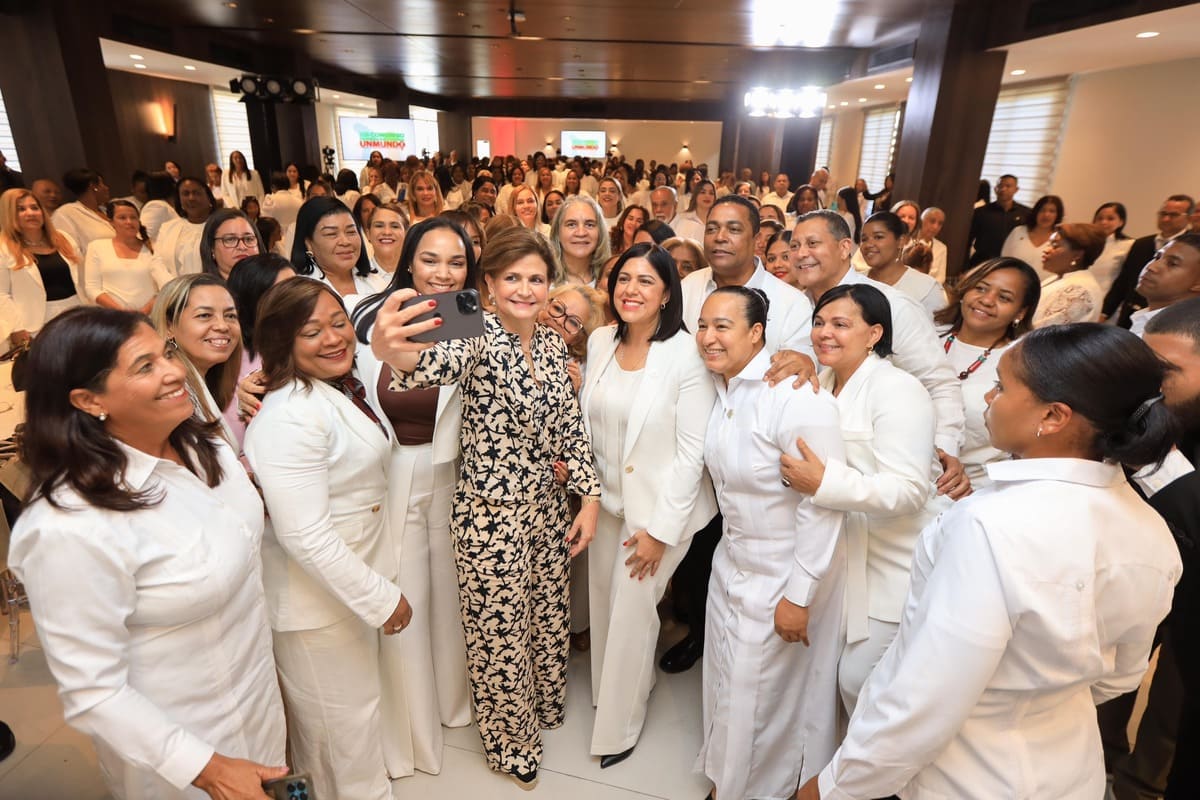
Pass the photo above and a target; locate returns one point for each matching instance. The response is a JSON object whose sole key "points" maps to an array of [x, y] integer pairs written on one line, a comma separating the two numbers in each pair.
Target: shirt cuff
{"points": [[189, 758], [947, 445], [827, 787], [801, 588], [387, 608]]}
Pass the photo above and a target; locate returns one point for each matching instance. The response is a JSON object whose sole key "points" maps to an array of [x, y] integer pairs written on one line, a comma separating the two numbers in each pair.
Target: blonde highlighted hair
{"points": [[411, 196], [10, 231]]}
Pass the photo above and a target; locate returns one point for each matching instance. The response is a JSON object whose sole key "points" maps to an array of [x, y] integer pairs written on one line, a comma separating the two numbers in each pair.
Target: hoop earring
{"points": [[312, 262]]}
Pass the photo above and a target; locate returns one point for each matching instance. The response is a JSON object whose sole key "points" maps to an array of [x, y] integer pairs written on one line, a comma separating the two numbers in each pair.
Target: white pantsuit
{"points": [[770, 706], [885, 484], [652, 479], [329, 574], [1031, 602], [424, 667], [154, 624]]}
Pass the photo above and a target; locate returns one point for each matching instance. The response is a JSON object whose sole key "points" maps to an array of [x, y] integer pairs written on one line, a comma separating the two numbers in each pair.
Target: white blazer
{"points": [[322, 465], [23, 295], [668, 493], [886, 482]]}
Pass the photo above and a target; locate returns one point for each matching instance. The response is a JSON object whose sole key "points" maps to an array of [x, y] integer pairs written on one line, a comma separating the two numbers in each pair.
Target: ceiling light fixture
{"points": [[1147, 35], [136, 57], [515, 16], [139, 66], [189, 67], [908, 79], [880, 86], [1016, 73], [862, 99], [805, 102], [844, 103], [304, 31]]}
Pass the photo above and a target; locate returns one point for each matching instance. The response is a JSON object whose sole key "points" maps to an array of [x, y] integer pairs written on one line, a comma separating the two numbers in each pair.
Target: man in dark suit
{"points": [[991, 224], [1170, 727], [1122, 297], [8, 178]]}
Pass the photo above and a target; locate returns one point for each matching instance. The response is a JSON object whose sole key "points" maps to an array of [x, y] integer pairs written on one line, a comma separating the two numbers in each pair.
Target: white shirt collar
{"points": [[755, 281], [1070, 470]]}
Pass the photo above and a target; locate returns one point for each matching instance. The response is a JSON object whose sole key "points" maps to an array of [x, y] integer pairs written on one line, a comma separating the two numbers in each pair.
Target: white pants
{"points": [[423, 668], [625, 628], [330, 682], [859, 659]]}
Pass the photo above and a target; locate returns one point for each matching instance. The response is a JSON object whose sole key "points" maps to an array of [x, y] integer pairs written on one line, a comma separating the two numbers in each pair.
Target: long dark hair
{"points": [[670, 320], [248, 282], [208, 238], [874, 306], [307, 218], [1108, 376], [64, 446], [366, 311], [952, 314]]}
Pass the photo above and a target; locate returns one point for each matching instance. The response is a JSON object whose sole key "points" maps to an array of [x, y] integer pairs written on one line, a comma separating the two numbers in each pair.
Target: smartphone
{"points": [[460, 312], [291, 787]]}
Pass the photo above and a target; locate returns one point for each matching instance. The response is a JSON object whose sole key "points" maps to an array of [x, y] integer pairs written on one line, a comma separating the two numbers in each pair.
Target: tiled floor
{"points": [[53, 762]]}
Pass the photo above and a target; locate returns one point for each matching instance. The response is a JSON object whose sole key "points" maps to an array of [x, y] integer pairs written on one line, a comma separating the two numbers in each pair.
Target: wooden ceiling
{"points": [[637, 50]]}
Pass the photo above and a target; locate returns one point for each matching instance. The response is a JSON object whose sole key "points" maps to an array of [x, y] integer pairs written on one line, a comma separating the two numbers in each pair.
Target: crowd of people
{"points": [[921, 512]]}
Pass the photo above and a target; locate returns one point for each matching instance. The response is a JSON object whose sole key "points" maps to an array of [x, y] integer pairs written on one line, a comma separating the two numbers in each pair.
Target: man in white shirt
{"points": [[932, 220], [821, 248], [663, 204], [1173, 275], [819, 180], [779, 196], [48, 194]]}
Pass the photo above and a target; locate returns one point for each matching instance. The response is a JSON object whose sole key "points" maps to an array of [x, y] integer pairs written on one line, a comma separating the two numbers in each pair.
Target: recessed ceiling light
{"points": [[189, 67], [833, 107], [136, 57], [702, 82], [880, 86], [555, 78], [362, 105], [1147, 34], [844, 103], [303, 31], [908, 80], [139, 66], [862, 99], [337, 97], [230, 5], [460, 13], [1017, 72]]}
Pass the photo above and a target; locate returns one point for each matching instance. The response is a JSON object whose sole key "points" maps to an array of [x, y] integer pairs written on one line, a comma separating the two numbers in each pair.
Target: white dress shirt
{"points": [[919, 352], [1139, 318], [155, 214], [1030, 604], [689, 226], [922, 288], [131, 281], [82, 224], [773, 199], [178, 246], [1074, 297], [154, 624], [789, 316]]}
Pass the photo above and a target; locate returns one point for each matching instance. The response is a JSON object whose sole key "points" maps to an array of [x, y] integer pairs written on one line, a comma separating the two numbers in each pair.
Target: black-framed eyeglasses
{"points": [[571, 323], [249, 241]]}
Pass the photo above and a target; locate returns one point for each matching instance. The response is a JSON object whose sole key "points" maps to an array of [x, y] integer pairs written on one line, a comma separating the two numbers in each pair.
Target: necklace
{"points": [[978, 362]]}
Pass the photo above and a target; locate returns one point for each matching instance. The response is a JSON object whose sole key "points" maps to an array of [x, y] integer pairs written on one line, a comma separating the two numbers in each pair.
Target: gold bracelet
{"points": [[589, 498]]}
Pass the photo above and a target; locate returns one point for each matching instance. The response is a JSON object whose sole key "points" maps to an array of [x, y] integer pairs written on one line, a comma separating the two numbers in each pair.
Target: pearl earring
{"points": [[102, 416]]}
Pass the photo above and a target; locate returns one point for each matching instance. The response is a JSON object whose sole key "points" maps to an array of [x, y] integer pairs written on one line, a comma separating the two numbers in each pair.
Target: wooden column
{"points": [[948, 118]]}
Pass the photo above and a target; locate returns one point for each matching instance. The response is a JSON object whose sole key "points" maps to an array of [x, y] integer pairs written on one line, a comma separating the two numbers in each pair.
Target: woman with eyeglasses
{"points": [[124, 272], [646, 399], [229, 236]]}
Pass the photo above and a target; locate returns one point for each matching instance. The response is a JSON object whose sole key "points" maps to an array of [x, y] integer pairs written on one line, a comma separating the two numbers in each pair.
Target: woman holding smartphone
{"points": [[512, 532]]}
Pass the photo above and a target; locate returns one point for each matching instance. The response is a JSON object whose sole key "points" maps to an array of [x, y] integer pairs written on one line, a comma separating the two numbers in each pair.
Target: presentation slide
{"points": [[585, 144], [395, 138]]}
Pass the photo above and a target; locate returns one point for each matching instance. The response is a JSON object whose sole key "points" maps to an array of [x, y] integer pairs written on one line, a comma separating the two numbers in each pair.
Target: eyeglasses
{"points": [[571, 323], [249, 241]]}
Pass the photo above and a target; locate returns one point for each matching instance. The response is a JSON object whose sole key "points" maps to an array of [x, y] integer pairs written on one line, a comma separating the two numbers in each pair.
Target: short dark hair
{"points": [[1041, 203], [159, 186], [366, 311], [77, 350], [310, 214], [279, 182], [282, 313], [889, 220], [1007, 175], [872, 303], [203, 184], [78, 180], [755, 303], [1108, 376], [1119, 210], [346, 181], [658, 230], [1182, 319], [248, 281], [1179, 198], [670, 319], [480, 181], [837, 226], [738, 200], [208, 238]]}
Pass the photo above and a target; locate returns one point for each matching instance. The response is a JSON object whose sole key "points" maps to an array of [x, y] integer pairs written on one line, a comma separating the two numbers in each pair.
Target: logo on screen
{"points": [[379, 140]]}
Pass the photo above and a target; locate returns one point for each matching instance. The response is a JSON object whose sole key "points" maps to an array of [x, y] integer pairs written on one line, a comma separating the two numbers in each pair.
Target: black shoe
{"points": [[8, 742], [524, 777], [608, 761], [682, 656]]}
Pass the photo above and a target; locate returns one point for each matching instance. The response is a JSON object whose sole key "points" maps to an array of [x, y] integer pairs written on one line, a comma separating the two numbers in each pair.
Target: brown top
{"points": [[412, 413]]}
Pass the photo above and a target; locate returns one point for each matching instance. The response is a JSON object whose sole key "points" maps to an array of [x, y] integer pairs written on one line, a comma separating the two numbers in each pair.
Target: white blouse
{"points": [[1074, 297], [1018, 245], [1031, 603], [82, 224], [608, 414], [178, 246], [689, 226], [132, 281], [1108, 264], [977, 451], [154, 624], [236, 188]]}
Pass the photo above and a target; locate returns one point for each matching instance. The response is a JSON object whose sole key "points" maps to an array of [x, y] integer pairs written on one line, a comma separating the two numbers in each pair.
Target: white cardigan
{"points": [[322, 465], [667, 492], [23, 295]]}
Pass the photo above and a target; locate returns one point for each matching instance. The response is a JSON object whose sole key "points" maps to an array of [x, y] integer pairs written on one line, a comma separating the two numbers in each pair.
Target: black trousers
{"points": [[689, 585]]}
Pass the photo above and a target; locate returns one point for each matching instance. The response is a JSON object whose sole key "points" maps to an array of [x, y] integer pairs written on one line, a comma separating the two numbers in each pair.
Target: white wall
{"points": [[1130, 136], [660, 140]]}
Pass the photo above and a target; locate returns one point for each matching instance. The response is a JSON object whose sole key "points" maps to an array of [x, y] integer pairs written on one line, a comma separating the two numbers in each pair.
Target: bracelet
{"points": [[589, 498]]}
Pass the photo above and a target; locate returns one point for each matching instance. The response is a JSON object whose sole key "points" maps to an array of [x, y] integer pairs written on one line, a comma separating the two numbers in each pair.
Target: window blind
{"points": [[232, 127], [878, 145], [824, 140], [7, 145], [425, 129], [1026, 129]]}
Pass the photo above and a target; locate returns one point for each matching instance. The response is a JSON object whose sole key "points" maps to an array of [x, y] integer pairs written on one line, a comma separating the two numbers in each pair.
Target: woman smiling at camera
{"points": [[885, 480], [578, 240], [992, 307], [329, 247], [141, 555], [512, 532], [320, 454], [424, 672], [645, 400], [774, 615], [1031, 602], [883, 238]]}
